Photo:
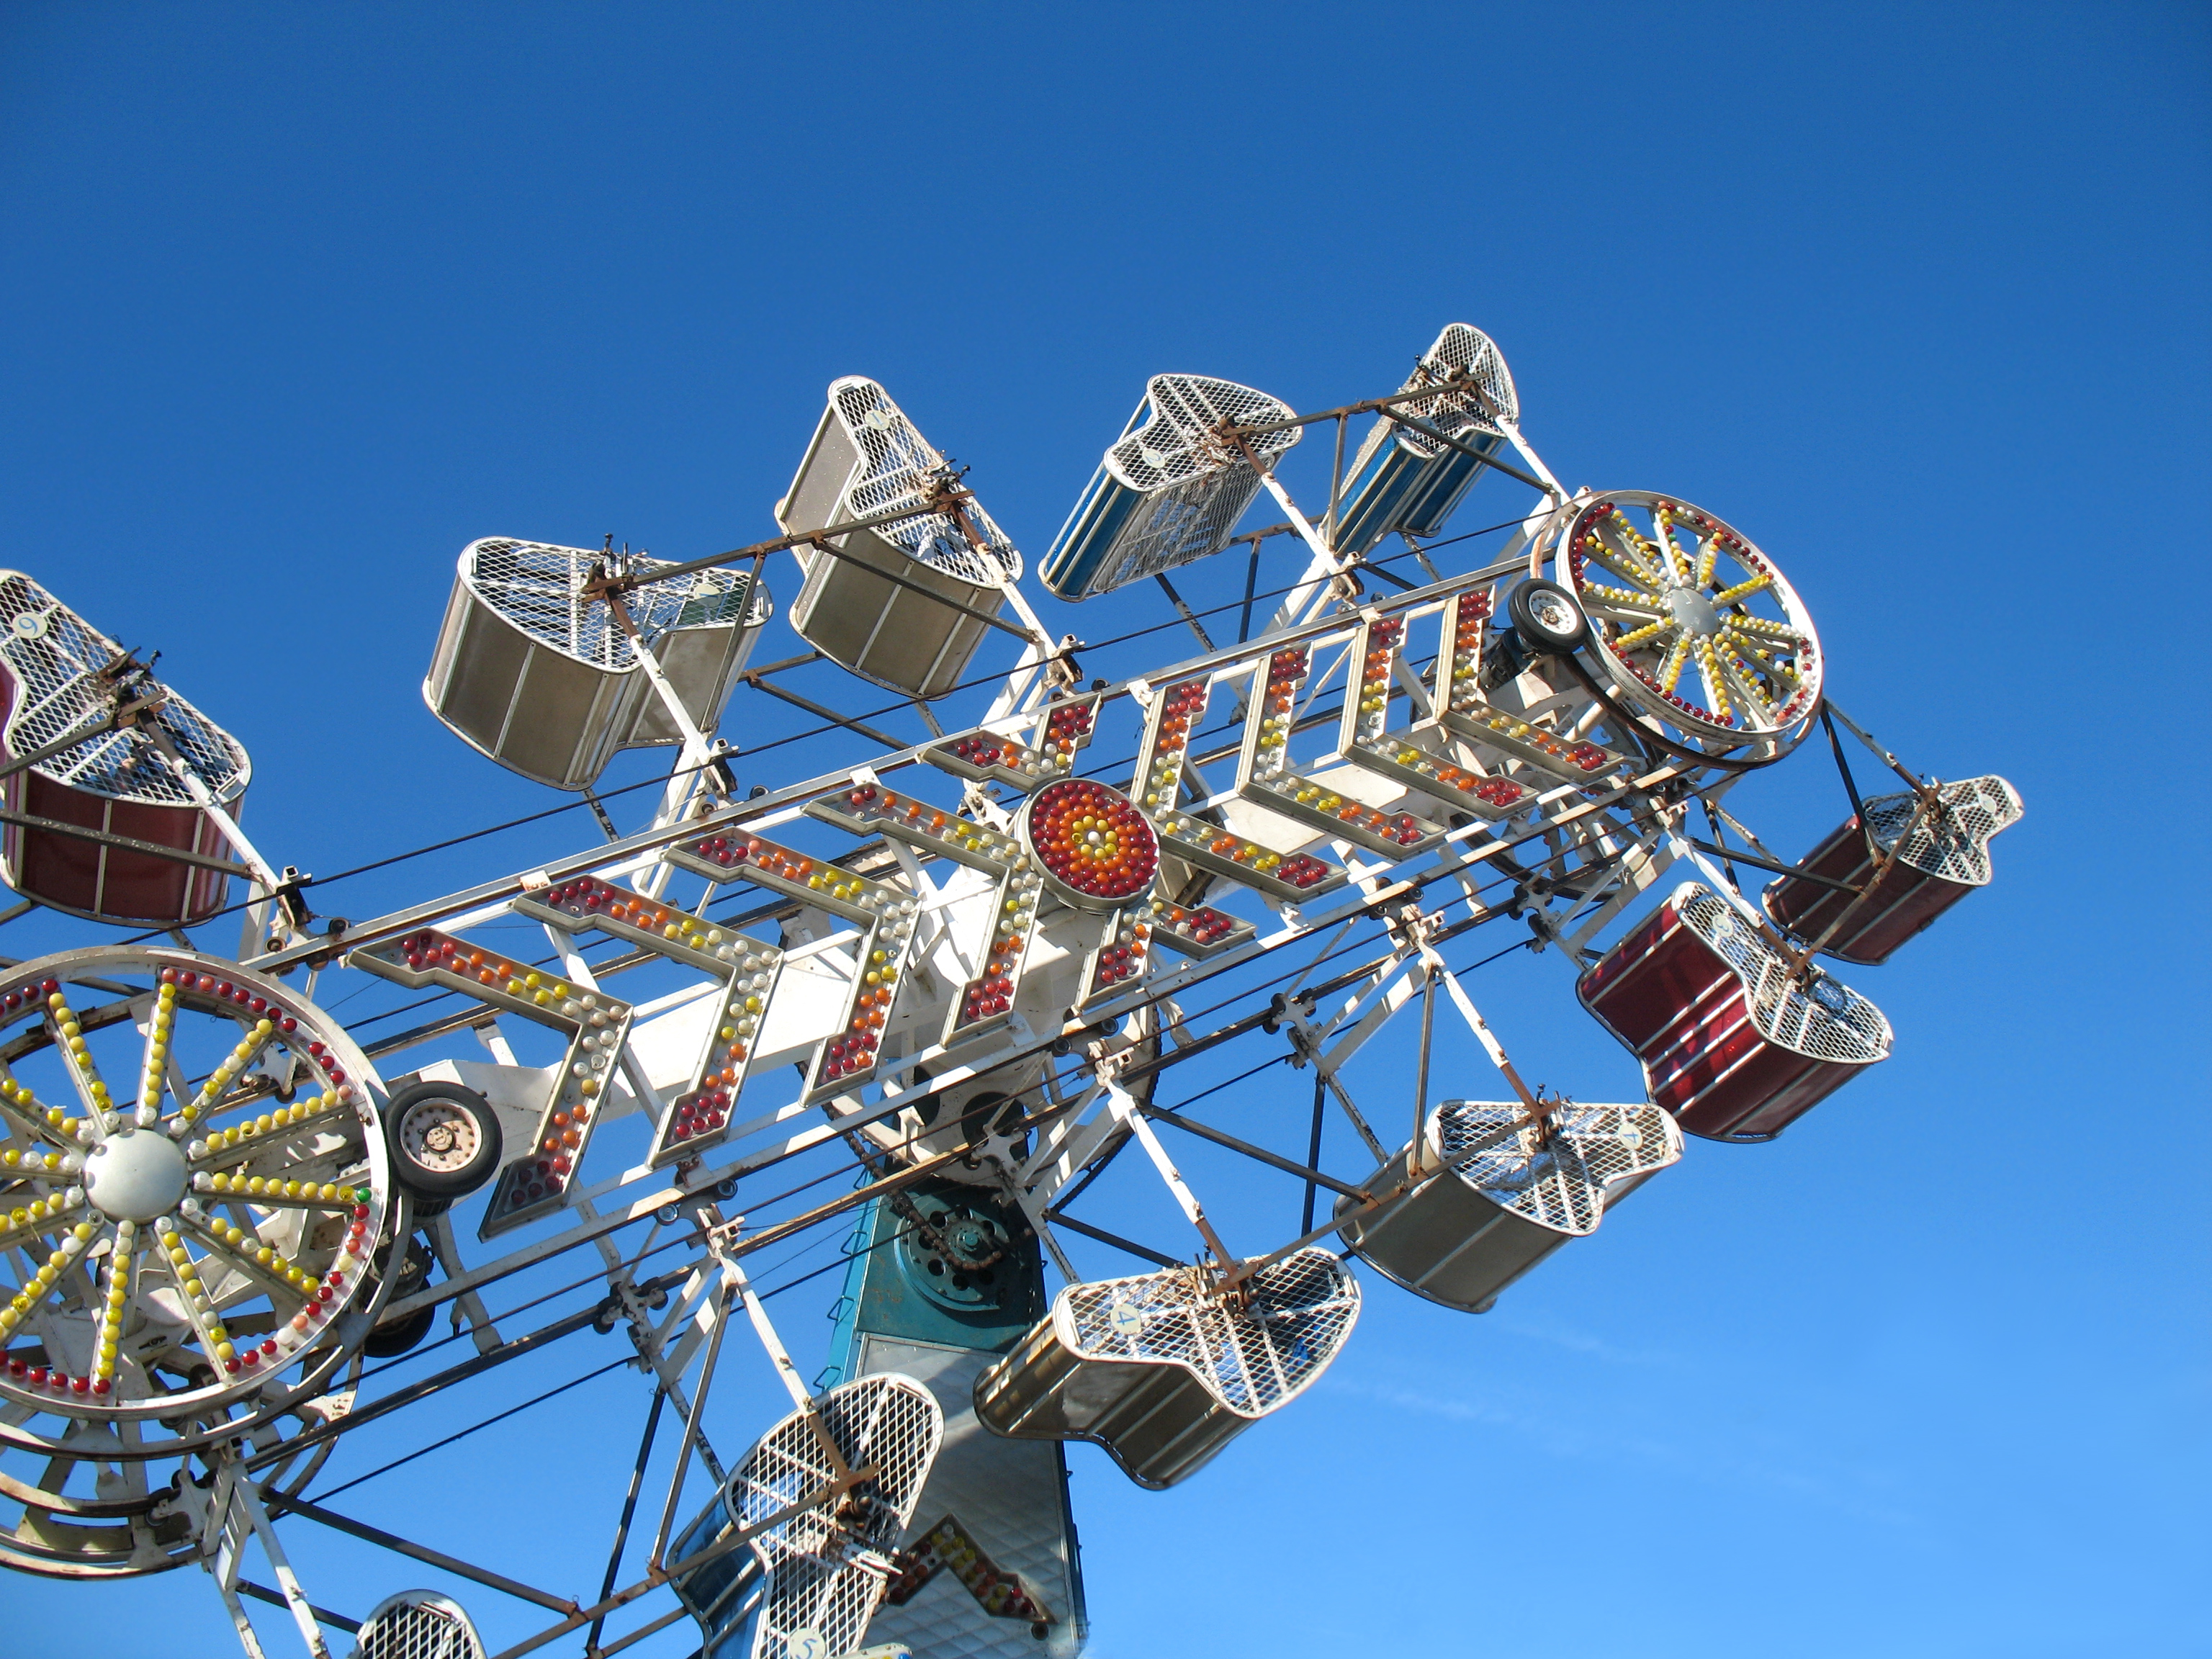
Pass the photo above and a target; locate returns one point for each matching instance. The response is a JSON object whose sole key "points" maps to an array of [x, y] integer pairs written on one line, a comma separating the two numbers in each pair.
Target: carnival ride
{"points": [[952, 971]]}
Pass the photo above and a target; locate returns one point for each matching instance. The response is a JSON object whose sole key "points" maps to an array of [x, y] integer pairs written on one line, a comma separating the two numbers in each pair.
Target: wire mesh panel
{"points": [[992, 1558], [1944, 855], [1512, 1191], [1169, 489], [816, 1577], [1732, 1044], [59, 675], [1402, 479], [1161, 1370], [895, 603], [417, 1625], [534, 672]]}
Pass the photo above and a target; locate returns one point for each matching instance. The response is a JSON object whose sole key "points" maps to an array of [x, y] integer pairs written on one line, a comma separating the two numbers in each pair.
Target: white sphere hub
{"points": [[135, 1177], [1693, 612]]}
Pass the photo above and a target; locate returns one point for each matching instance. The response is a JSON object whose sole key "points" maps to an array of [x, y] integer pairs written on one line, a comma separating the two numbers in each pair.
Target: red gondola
{"points": [[1945, 856], [1732, 1046], [58, 674]]}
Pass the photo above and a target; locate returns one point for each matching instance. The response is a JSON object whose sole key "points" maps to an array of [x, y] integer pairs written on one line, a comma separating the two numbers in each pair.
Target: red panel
{"points": [[1673, 1001], [112, 884], [1813, 1082], [1640, 988], [108, 883], [1902, 903], [143, 887], [60, 870]]}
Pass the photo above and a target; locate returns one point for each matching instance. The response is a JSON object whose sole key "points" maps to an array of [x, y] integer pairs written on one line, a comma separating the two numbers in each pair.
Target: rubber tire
{"points": [[390, 1341], [442, 1187], [1534, 632]]}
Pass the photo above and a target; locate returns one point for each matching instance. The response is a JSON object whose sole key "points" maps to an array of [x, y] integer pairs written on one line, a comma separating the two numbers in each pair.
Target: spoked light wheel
{"points": [[193, 1184], [1689, 619], [90, 1510]]}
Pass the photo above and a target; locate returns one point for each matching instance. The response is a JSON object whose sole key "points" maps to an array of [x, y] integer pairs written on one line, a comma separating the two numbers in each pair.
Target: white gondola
{"points": [[1164, 1372], [808, 1584], [417, 1625], [1169, 490], [1510, 1193], [1402, 479], [533, 674], [912, 635]]}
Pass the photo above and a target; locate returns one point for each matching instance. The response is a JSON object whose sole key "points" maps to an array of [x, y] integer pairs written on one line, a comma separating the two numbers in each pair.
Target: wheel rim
{"points": [[1553, 611], [93, 1510], [440, 1136], [1689, 619], [190, 1254]]}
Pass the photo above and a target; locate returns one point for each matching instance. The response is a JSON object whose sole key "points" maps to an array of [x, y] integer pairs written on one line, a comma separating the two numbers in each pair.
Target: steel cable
{"points": [[777, 743]]}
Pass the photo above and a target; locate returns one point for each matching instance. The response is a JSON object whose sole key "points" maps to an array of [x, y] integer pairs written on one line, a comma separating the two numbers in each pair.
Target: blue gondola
{"points": [[1404, 480], [1168, 491]]}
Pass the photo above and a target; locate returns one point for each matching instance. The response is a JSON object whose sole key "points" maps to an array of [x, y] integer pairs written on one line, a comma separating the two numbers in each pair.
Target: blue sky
{"points": [[298, 302]]}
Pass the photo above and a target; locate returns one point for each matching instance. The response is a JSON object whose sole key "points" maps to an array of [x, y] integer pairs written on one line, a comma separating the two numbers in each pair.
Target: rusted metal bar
{"points": [[1866, 738], [128, 843], [1188, 615], [628, 1512], [513, 1349], [263, 1593], [822, 1497], [1421, 1066], [593, 1650], [1142, 1252], [983, 616], [1335, 487], [114, 720], [1221, 1137], [1779, 869], [820, 711], [1365, 406], [783, 663], [421, 1552], [1313, 1145], [1372, 1205], [762, 550], [1413, 424], [691, 1435]]}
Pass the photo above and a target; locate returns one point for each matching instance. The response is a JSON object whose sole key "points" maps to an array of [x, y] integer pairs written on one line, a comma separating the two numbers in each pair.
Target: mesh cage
{"points": [[1302, 1309], [826, 1567], [417, 1625], [1955, 844], [1176, 442], [899, 468], [1559, 1179], [1169, 490], [1458, 349], [539, 588], [1821, 1017], [55, 658]]}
